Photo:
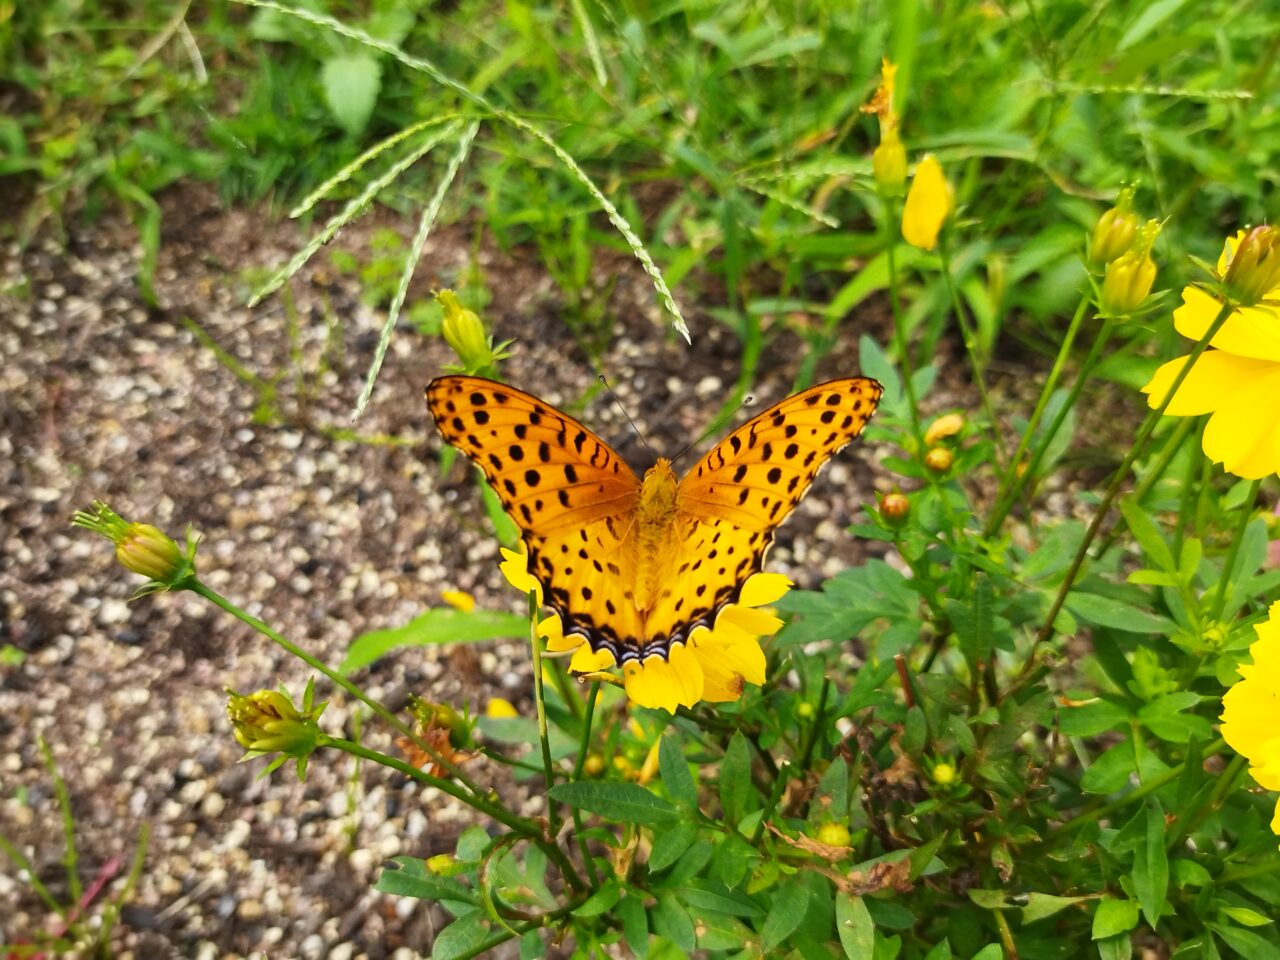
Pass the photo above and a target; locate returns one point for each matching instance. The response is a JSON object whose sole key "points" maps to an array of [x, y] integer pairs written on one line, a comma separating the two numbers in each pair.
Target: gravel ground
{"points": [[324, 537]]}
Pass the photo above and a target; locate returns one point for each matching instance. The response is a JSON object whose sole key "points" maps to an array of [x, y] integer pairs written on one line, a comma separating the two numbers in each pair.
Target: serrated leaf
{"points": [[624, 802], [735, 779], [857, 932], [351, 85]]}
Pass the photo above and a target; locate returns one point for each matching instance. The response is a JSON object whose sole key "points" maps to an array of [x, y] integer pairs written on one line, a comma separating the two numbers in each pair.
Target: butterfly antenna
{"points": [[605, 380], [715, 428]]}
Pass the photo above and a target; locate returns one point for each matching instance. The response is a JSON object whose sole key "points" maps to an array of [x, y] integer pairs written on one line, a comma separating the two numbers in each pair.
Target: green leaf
{"points": [[857, 932], [461, 937], [1250, 918], [1246, 943], [735, 779], [1116, 614], [1091, 719], [990, 899], [1041, 905], [974, 621], [1148, 535], [437, 626], [1188, 873], [675, 771], [716, 897], [1164, 717], [351, 85], [411, 879], [669, 844], [1151, 866], [671, 920], [600, 901], [625, 802], [940, 951], [1110, 771], [789, 904], [718, 931], [1114, 917], [635, 922]]}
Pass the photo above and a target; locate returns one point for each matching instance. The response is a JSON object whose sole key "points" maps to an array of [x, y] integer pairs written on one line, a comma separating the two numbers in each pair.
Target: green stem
{"points": [[1227, 781], [1050, 384], [584, 743], [1171, 448], [819, 717], [524, 827], [1248, 872], [900, 333], [553, 808], [195, 586], [969, 335], [1037, 456], [1102, 811], [1122, 472], [1228, 567]]}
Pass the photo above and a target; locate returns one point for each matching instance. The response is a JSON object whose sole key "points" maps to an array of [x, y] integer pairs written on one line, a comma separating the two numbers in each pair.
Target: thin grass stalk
{"points": [[1228, 565], [1037, 456], [1050, 384], [899, 333], [425, 224], [348, 212], [590, 41], [421, 65], [969, 336], [70, 856], [584, 743], [1122, 472]]}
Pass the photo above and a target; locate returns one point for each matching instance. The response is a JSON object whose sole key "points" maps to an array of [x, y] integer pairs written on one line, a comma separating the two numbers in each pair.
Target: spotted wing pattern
{"points": [[730, 503], [571, 495]]}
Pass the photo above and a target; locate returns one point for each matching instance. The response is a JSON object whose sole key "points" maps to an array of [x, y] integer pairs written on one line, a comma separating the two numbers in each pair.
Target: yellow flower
{"points": [[1236, 380], [459, 600], [929, 202], [944, 774], [711, 664], [500, 709], [266, 721], [1250, 707]]}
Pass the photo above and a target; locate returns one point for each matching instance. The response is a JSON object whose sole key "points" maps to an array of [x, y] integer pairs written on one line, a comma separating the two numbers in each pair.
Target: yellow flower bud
{"points": [[1128, 279], [459, 600], [939, 460], [889, 162], [593, 766], [894, 509], [1115, 231], [142, 548], [805, 710], [266, 721], [944, 774], [464, 331], [834, 835], [947, 425], [1253, 273], [930, 201]]}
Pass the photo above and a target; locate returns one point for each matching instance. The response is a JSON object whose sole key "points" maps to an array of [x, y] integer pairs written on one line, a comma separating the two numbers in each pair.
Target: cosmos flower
{"points": [[1250, 707], [1238, 378], [712, 664]]}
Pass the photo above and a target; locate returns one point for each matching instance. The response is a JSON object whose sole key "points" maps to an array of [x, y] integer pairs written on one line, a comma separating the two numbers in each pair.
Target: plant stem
{"points": [[219, 601], [1037, 457], [1248, 872], [1122, 472], [969, 336], [553, 808], [1228, 566], [1051, 382], [1171, 448], [584, 743], [1227, 781], [521, 825], [900, 334]]}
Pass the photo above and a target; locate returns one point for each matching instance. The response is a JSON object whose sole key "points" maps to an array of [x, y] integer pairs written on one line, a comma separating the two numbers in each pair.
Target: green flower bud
{"points": [[1114, 232], [464, 331], [1254, 271]]}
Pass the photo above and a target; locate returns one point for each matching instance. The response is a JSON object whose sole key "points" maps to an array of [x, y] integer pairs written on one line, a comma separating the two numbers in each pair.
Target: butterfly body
{"points": [[636, 566]]}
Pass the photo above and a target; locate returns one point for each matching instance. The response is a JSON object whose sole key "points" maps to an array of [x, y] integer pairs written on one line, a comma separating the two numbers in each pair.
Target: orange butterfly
{"points": [[635, 567]]}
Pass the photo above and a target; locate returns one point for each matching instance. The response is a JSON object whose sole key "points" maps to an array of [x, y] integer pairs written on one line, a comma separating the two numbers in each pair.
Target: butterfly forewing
{"points": [[549, 471], [755, 476]]}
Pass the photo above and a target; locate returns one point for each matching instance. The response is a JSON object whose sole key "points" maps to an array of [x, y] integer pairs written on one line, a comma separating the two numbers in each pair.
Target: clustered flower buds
{"points": [[1128, 279]]}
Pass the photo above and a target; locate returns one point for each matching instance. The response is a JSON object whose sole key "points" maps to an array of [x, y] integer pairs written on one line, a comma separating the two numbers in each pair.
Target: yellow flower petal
{"points": [[587, 660], [1250, 708], [755, 622], [929, 202], [665, 684], [459, 600], [1249, 331], [762, 589], [515, 567], [1214, 377], [1240, 436], [737, 657]]}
